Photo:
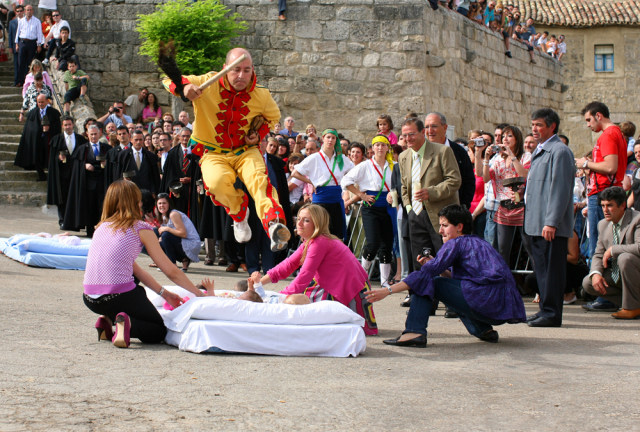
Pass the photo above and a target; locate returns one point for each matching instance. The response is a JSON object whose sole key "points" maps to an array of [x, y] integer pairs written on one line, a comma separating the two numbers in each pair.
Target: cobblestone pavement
{"points": [[56, 376]]}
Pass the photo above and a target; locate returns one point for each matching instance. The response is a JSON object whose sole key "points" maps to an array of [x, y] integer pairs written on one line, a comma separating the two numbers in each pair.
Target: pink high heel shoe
{"points": [[104, 327], [123, 328]]}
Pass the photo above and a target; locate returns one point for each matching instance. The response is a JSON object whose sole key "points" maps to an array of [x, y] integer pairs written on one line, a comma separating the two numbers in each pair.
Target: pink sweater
{"points": [[330, 263]]}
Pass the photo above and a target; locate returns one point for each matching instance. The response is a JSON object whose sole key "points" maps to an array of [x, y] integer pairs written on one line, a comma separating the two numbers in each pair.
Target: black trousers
{"points": [[26, 53], [336, 219], [146, 322], [549, 263], [422, 235], [378, 231]]}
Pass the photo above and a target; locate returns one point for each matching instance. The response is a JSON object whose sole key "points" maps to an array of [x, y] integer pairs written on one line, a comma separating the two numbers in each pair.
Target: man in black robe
{"points": [[182, 168], [63, 147], [42, 124], [112, 169], [86, 190], [140, 164]]}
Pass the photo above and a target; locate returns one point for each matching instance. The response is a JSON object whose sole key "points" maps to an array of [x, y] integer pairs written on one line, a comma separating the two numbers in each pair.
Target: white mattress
{"points": [[215, 324]]}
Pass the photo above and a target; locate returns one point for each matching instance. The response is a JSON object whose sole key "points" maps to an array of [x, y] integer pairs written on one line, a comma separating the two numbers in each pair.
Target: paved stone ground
{"points": [[56, 376]]}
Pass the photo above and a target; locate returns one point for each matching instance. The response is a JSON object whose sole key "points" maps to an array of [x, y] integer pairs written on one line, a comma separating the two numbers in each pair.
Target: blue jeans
{"points": [[594, 215], [449, 292], [490, 230]]}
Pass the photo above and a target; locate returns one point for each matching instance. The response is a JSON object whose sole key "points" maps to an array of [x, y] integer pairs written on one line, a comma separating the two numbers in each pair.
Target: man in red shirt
{"points": [[607, 165]]}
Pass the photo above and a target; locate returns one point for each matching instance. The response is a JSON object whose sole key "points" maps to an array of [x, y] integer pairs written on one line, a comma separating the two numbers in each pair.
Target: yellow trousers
{"points": [[219, 171]]}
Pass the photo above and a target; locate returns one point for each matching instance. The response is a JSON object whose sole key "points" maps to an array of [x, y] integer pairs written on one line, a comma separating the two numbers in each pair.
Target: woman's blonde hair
{"points": [[320, 219], [121, 205], [35, 63]]}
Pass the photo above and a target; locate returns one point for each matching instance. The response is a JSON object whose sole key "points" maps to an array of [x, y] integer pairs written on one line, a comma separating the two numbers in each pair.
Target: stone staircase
{"points": [[17, 186]]}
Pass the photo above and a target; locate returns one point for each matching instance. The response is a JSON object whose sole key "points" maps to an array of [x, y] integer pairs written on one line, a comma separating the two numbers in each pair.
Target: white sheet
{"points": [[326, 328]]}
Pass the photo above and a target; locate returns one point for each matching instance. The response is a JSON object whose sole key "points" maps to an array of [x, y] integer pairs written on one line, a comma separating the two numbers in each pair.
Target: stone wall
{"points": [[341, 63], [617, 89]]}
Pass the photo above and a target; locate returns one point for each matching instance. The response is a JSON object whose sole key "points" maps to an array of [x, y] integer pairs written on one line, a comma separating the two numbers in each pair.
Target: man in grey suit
{"points": [[548, 215], [615, 265]]}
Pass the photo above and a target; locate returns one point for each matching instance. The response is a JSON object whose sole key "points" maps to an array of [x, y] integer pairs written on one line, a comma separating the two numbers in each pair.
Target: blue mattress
{"points": [[46, 252]]}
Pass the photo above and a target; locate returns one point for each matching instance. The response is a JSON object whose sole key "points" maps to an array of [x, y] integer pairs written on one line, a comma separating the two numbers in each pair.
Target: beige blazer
{"points": [[439, 174], [629, 239]]}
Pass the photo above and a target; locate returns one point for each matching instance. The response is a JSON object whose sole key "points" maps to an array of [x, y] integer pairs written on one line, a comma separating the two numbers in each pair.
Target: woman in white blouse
{"points": [[371, 181], [324, 170]]}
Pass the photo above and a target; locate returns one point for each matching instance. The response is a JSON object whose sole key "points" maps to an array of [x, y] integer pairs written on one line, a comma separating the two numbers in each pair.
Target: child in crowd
{"points": [[65, 49], [552, 44], [75, 82], [385, 127], [296, 187]]}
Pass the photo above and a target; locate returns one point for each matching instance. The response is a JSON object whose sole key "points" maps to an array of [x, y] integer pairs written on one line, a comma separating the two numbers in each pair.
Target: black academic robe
{"points": [[112, 170], [148, 176], [60, 172], [33, 151], [188, 202], [86, 189]]}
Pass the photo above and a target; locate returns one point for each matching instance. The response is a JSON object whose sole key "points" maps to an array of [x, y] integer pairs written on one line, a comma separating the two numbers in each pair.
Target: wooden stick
{"points": [[223, 72]]}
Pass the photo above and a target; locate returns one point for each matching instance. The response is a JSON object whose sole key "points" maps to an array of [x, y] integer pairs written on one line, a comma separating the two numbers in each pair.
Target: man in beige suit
{"points": [[430, 181], [615, 266]]}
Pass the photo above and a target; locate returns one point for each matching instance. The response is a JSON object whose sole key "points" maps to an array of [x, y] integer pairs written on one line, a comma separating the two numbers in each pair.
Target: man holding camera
{"points": [[116, 114]]}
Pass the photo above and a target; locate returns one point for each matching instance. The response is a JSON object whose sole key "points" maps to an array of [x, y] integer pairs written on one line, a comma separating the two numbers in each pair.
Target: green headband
{"points": [[337, 147]]}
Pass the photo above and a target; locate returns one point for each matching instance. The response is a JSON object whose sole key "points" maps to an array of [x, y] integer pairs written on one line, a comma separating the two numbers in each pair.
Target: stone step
{"points": [[19, 175], [31, 199], [9, 129], [10, 146], [24, 185], [6, 162], [10, 90]]}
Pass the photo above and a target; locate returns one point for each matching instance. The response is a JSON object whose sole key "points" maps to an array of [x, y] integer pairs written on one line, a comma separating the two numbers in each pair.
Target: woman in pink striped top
{"points": [[329, 270], [112, 277]]}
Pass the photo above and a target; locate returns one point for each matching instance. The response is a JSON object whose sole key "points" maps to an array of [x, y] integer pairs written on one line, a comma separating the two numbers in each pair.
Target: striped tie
{"points": [[415, 179], [615, 270], [185, 163]]}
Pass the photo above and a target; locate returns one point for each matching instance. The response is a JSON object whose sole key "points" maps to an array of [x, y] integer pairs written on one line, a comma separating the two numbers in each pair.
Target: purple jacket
{"points": [[487, 283]]}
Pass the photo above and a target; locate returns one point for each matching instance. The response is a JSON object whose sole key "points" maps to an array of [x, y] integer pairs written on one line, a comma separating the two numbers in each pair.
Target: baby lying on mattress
{"points": [[248, 290]]}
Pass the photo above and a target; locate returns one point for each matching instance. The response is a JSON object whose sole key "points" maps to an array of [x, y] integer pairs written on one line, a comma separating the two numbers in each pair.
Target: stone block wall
{"points": [[341, 63]]}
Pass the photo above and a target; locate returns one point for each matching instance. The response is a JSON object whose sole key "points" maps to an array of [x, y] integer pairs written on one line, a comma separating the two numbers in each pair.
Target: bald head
{"points": [[241, 76], [42, 101]]}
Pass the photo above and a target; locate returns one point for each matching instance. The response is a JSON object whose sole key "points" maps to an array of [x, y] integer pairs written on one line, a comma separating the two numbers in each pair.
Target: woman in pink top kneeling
{"points": [[111, 278], [329, 270]]}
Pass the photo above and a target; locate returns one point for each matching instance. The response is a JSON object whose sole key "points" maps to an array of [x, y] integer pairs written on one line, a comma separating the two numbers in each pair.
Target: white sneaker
{"points": [[279, 235], [241, 230]]}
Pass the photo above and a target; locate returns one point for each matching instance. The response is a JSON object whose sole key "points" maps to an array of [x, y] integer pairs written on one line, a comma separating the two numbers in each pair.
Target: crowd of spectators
{"points": [[507, 20]]}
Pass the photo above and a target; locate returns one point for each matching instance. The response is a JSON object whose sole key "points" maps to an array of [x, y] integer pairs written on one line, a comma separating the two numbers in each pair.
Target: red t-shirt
{"points": [[610, 142]]}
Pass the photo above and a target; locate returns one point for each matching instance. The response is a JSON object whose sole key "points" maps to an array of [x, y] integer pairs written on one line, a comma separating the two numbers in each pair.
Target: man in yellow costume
{"points": [[223, 113]]}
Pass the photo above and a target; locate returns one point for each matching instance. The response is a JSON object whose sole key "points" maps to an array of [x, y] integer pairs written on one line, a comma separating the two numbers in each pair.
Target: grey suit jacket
{"points": [[439, 174], [549, 191], [629, 239]]}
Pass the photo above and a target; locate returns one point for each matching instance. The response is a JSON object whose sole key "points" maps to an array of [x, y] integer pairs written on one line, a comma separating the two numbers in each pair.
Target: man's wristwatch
{"points": [[584, 165], [390, 290]]}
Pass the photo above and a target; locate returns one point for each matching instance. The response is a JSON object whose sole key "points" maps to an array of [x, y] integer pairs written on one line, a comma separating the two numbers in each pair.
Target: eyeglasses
{"points": [[409, 135], [55, 15]]}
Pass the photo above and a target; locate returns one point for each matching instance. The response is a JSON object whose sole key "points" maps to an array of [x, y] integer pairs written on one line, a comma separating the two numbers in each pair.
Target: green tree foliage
{"points": [[201, 31]]}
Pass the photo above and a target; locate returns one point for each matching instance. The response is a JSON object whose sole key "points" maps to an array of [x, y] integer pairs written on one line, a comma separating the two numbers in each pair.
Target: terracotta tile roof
{"points": [[580, 13]]}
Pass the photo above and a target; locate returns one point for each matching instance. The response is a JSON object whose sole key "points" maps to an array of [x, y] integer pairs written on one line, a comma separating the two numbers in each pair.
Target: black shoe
{"points": [[406, 302], [450, 314], [600, 305], [532, 317], [489, 336], [544, 322], [418, 342], [508, 54], [433, 4]]}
